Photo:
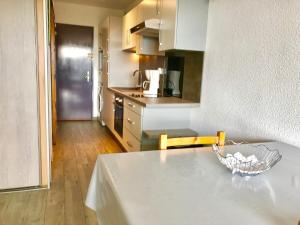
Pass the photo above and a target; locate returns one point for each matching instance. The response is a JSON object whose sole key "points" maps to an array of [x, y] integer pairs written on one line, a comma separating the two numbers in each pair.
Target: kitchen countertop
{"points": [[191, 187], [161, 102]]}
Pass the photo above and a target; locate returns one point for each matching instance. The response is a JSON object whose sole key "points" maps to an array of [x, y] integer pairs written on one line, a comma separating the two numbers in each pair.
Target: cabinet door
{"points": [[125, 32], [129, 21], [131, 144], [191, 25], [147, 46], [148, 9], [183, 25], [108, 108], [168, 25]]}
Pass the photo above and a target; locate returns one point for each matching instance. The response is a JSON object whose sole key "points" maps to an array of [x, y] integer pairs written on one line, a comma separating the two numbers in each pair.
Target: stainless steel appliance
{"points": [[119, 105]]}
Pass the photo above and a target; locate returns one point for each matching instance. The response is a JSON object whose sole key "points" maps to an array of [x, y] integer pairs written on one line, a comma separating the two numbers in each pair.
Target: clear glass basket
{"points": [[260, 159]]}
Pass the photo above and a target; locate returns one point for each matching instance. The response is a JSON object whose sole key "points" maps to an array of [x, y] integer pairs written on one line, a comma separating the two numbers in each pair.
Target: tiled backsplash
{"points": [[191, 74], [151, 63], [190, 62]]}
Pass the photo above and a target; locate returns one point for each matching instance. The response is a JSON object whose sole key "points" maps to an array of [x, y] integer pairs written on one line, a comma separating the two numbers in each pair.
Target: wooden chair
{"points": [[165, 142]]}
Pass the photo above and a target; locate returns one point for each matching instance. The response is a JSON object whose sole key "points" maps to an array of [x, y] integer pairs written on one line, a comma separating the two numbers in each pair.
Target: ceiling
{"points": [[114, 4]]}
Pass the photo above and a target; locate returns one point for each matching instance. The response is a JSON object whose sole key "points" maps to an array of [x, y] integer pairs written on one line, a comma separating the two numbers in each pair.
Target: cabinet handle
{"points": [[130, 121], [128, 37], [129, 144], [131, 105]]}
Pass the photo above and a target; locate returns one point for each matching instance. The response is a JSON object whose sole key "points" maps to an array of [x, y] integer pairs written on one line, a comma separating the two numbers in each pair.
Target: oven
{"points": [[119, 105]]}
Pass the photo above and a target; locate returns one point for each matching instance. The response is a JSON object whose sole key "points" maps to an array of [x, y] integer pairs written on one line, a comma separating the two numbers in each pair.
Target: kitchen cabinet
{"points": [[132, 125], [183, 25], [142, 45], [131, 143], [131, 105], [138, 118], [109, 108], [148, 46], [129, 21], [112, 75], [148, 9]]}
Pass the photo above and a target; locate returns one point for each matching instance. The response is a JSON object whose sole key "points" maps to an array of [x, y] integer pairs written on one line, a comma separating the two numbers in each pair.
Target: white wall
{"points": [[83, 15], [251, 82]]}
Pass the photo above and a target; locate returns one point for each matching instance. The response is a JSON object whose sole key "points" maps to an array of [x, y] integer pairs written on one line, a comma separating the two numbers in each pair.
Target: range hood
{"points": [[148, 28]]}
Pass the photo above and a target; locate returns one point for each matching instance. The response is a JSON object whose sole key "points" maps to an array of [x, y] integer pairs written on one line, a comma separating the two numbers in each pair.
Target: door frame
{"points": [[92, 71], [45, 127]]}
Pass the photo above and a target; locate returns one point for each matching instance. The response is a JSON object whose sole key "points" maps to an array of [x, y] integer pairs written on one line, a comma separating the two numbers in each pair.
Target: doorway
{"points": [[74, 72]]}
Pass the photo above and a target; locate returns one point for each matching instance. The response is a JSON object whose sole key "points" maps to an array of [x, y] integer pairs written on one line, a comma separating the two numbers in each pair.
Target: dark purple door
{"points": [[74, 72]]}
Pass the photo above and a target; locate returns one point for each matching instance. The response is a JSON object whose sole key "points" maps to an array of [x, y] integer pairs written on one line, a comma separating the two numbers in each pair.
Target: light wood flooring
{"points": [[78, 144]]}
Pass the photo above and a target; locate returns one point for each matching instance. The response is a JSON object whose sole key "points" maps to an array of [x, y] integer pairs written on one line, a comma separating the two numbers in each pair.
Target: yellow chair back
{"points": [[165, 142]]}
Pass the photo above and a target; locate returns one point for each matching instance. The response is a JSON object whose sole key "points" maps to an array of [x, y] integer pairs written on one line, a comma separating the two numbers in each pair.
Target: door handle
{"points": [[87, 77], [131, 105], [130, 121]]}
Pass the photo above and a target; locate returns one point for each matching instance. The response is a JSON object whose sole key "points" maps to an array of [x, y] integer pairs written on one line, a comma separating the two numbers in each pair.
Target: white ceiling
{"points": [[115, 4]]}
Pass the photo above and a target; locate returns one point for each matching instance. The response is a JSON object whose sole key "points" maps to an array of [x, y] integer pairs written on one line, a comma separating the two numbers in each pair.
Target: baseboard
{"points": [[15, 190]]}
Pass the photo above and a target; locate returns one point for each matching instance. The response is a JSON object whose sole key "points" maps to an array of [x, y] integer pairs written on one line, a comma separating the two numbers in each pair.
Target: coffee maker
{"points": [[151, 85], [173, 82]]}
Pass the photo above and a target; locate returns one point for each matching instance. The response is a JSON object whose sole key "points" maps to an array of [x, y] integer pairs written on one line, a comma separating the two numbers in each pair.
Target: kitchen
{"points": [[144, 112], [134, 102]]}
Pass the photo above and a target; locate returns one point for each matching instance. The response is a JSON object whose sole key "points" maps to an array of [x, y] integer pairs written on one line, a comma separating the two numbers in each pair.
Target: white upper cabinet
{"points": [[147, 46], [129, 21], [148, 9], [183, 24]]}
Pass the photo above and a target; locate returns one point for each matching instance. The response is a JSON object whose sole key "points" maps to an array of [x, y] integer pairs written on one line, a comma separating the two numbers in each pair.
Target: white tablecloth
{"points": [[190, 187]]}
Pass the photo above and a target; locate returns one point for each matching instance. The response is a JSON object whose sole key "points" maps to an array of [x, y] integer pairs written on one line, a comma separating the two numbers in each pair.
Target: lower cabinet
{"points": [[132, 125], [132, 144], [108, 108], [133, 122], [137, 118]]}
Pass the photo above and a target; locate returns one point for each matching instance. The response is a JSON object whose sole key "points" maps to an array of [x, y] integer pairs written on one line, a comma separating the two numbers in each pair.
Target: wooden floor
{"points": [[78, 144]]}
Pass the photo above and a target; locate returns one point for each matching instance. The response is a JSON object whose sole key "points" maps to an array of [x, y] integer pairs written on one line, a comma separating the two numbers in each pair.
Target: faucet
{"points": [[140, 81]]}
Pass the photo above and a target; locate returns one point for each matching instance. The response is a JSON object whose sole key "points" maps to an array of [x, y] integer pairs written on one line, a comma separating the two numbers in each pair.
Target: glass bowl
{"points": [[259, 159]]}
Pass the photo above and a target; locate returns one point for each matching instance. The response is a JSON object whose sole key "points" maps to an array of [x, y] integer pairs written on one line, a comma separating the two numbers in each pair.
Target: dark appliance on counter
{"points": [[119, 105], [175, 71]]}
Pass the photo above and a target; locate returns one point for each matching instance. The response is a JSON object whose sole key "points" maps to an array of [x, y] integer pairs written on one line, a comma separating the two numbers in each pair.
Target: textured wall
{"points": [[251, 83], [83, 15]]}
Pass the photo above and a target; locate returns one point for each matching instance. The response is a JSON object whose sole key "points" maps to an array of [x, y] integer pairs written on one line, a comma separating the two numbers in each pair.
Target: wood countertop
{"points": [[160, 102]]}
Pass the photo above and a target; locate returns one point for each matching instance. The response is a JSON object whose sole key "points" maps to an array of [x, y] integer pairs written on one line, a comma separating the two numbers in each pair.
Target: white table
{"points": [[191, 187]]}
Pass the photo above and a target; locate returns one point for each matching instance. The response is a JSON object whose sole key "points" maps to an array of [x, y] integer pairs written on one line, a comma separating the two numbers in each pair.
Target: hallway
{"points": [[74, 155]]}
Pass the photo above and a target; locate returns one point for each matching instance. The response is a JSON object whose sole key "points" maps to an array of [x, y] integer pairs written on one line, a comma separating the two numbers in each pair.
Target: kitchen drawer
{"points": [[131, 142], [132, 121], [133, 106]]}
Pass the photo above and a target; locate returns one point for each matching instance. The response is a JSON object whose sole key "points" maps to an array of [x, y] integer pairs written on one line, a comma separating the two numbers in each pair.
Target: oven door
{"points": [[119, 119]]}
